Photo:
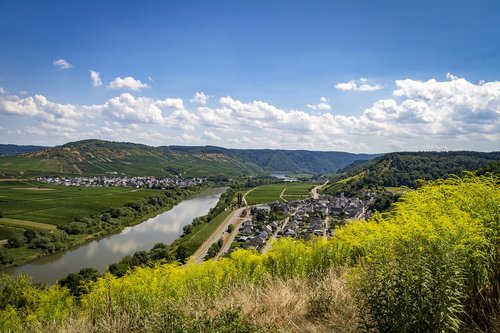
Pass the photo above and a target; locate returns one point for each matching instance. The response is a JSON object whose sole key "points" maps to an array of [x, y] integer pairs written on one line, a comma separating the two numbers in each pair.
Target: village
{"points": [[117, 181], [298, 219]]}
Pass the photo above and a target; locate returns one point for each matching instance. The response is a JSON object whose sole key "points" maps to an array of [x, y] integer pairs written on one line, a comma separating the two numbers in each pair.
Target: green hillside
{"points": [[95, 157], [404, 168], [292, 161]]}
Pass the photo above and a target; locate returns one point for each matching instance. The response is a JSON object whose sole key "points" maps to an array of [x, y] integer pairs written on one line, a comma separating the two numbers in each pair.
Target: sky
{"points": [[357, 76]]}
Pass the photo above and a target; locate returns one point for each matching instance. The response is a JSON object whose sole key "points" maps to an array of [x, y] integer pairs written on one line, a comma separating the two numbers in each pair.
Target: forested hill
{"points": [[296, 161], [17, 149], [97, 157], [404, 168]]}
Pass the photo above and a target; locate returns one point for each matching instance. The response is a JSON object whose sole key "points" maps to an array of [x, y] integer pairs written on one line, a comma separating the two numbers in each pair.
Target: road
{"points": [[314, 191], [271, 239], [216, 235], [230, 239]]}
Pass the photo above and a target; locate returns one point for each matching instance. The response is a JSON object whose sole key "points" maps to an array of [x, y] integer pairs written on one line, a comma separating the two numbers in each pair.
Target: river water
{"points": [[99, 254]]}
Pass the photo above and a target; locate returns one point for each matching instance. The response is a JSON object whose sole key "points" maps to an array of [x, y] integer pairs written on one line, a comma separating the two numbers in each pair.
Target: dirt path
{"points": [[314, 191], [199, 254], [281, 195], [244, 199]]}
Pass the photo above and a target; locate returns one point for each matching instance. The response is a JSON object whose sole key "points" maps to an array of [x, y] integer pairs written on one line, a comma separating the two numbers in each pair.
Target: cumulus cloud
{"points": [[128, 83], [358, 85], [452, 77], [211, 136], [454, 113], [96, 79], [322, 105], [2, 91], [200, 98], [62, 64], [39, 107]]}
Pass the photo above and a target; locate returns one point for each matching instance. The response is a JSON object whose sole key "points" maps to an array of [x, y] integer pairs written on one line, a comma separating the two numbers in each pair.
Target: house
{"points": [[246, 231], [263, 235]]}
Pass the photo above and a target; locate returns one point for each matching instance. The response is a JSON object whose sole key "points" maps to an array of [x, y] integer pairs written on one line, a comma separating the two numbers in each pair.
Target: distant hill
{"points": [[6, 150], [296, 161], [97, 157], [404, 168]]}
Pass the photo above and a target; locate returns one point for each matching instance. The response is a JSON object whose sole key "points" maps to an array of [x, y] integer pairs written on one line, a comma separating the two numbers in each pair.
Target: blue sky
{"points": [[324, 75]]}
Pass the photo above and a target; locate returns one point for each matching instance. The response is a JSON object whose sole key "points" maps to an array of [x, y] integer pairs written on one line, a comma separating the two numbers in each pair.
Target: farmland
{"points": [[54, 205], [279, 192]]}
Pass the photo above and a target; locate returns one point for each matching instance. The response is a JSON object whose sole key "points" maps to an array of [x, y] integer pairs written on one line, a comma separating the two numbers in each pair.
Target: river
{"points": [[99, 254]]}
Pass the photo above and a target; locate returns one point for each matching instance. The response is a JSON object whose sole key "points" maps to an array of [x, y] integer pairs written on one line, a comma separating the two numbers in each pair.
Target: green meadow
{"points": [[35, 205], [272, 192]]}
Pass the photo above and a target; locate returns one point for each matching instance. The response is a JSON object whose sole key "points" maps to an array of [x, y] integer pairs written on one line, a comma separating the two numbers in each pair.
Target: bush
{"points": [[5, 257], [16, 241]]}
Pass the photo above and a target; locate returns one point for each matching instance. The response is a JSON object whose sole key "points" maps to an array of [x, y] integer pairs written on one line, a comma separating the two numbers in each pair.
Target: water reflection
{"points": [[99, 254]]}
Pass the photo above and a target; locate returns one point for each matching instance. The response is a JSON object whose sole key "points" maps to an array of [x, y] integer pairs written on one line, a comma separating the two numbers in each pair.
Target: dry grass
{"points": [[296, 305]]}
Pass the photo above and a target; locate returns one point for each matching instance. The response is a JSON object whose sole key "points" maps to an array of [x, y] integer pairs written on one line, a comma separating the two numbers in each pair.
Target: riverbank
{"points": [[36, 244]]}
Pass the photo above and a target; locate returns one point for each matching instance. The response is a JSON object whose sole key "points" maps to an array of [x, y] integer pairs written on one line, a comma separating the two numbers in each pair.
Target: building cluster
{"points": [[301, 218], [112, 181]]}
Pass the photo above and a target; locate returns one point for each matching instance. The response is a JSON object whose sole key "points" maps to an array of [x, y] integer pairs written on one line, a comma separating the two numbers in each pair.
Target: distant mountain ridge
{"points": [[297, 161], [11, 149], [95, 157]]}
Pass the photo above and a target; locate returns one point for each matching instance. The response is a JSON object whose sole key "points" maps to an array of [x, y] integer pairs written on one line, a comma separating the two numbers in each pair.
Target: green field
{"points": [[6, 231], [272, 192], [54, 205], [194, 240]]}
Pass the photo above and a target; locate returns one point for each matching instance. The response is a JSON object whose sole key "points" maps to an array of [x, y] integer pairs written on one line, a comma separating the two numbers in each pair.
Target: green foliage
{"points": [[405, 168], [5, 257], [77, 282]]}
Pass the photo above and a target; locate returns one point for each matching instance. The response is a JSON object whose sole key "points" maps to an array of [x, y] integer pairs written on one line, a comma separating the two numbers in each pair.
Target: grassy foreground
{"points": [[430, 265]]}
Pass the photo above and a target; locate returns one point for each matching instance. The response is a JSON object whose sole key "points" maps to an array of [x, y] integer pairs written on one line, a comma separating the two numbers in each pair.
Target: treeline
{"points": [[406, 168], [117, 217]]}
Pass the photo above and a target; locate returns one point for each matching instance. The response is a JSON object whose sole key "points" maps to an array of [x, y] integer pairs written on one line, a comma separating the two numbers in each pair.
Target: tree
{"points": [[5, 257], [16, 241], [30, 235]]}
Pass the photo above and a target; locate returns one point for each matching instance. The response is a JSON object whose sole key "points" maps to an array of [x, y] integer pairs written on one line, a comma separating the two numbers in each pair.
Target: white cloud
{"points": [[456, 114], [62, 64], [128, 83], [211, 136], [322, 105], [40, 108], [96, 79], [358, 85], [200, 98], [451, 77], [31, 130], [2, 91]]}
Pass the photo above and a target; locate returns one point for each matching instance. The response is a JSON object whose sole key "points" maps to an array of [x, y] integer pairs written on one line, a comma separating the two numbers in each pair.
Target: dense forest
{"points": [[406, 168]]}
